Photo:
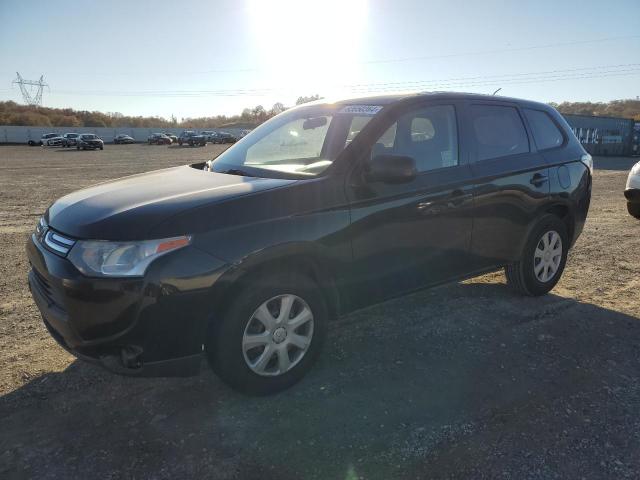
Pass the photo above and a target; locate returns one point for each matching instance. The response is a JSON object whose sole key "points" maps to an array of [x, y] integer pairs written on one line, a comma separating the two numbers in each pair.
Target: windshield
{"points": [[88, 137], [302, 142]]}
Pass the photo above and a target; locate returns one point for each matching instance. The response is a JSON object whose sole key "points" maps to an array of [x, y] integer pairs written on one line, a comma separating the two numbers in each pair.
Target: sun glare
{"points": [[308, 46]]}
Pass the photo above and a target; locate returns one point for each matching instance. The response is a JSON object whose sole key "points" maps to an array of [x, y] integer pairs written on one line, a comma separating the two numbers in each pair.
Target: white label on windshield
{"points": [[362, 109]]}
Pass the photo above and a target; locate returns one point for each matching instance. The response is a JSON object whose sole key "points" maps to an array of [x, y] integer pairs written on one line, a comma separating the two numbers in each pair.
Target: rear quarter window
{"points": [[498, 131], [545, 132]]}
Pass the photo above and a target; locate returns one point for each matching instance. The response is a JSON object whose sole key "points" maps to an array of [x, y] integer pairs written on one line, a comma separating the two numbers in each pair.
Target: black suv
{"points": [[321, 210], [89, 141]]}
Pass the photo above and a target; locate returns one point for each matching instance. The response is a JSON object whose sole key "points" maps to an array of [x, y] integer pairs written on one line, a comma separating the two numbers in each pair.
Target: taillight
{"points": [[588, 161]]}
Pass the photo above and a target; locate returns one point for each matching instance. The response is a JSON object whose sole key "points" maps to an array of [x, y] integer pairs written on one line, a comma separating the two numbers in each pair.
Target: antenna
{"points": [[496, 91], [26, 87]]}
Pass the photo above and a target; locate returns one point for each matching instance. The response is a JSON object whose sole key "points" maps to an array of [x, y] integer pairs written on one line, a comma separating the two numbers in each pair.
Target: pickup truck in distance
{"points": [[192, 139]]}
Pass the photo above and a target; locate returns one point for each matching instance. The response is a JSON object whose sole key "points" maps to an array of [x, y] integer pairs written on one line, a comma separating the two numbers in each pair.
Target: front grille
{"points": [[57, 243]]}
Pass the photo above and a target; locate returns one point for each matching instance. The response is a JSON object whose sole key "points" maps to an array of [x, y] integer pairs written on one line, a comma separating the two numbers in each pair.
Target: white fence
{"points": [[18, 134]]}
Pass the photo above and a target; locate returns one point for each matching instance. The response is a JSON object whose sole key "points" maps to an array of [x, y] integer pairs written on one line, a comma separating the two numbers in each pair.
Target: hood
{"points": [[128, 208]]}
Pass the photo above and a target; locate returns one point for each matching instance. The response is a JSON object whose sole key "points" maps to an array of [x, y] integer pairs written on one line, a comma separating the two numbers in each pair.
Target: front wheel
{"points": [[270, 335], [634, 209], [543, 258]]}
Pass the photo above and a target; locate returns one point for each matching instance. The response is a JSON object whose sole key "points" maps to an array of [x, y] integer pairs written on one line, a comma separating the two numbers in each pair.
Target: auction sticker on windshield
{"points": [[362, 109]]}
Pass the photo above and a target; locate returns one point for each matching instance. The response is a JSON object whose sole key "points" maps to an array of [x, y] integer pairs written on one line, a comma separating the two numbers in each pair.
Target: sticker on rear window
{"points": [[362, 109]]}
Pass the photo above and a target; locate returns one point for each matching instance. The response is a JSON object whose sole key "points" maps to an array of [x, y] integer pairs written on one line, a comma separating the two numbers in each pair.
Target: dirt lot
{"points": [[465, 381]]}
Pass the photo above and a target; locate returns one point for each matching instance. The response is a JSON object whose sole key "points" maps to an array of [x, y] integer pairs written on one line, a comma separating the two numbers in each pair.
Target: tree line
{"points": [[615, 108], [12, 113]]}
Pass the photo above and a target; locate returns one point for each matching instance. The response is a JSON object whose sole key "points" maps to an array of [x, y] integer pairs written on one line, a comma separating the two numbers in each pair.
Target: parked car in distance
{"points": [[245, 258], [224, 137], [632, 191], [243, 133], [191, 138], [51, 140], [70, 139], [158, 139], [122, 139], [174, 138], [89, 141], [209, 135]]}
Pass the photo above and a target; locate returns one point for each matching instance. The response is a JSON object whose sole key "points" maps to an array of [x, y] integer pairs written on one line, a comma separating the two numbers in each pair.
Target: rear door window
{"points": [[498, 131], [545, 132]]}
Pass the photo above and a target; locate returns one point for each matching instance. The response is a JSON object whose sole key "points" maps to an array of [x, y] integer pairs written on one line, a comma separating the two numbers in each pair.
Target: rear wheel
{"points": [[271, 334], [543, 258], [634, 209]]}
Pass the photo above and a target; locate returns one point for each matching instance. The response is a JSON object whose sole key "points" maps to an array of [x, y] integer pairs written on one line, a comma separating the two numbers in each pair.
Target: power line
{"points": [[502, 50], [455, 82], [383, 61], [450, 55]]}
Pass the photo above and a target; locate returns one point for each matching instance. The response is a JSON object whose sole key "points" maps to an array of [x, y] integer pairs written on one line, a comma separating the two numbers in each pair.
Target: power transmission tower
{"points": [[26, 87]]}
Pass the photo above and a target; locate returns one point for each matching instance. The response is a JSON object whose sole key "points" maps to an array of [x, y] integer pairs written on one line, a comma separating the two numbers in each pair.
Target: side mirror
{"points": [[391, 169]]}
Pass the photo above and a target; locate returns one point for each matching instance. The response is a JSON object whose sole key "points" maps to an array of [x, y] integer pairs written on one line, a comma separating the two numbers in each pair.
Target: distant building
{"points": [[605, 135]]}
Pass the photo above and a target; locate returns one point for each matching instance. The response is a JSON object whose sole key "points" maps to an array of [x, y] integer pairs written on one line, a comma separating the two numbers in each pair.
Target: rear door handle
{"points": [[538, 179]]}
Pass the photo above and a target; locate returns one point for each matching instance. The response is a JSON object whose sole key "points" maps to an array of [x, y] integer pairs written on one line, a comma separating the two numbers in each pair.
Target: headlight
{"points": [[97, 258]]}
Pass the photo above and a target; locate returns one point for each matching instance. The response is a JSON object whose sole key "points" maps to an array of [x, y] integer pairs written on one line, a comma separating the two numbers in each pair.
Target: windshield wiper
{"points": [[236, 171]]}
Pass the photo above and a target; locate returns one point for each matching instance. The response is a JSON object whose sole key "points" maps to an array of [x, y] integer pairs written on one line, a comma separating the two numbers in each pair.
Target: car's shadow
{"points": [[467, 380], [74, 150], [185, 146]]}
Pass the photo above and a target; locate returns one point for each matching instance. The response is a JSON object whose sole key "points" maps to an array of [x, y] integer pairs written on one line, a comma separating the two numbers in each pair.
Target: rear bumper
{"points": [[138, 327]]}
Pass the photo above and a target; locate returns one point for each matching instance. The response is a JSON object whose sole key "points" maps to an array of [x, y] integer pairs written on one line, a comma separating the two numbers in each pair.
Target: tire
{"points": [[102, 148], [522, 275], [225, 348], [77, 147], [634, 209], [180, 142]]}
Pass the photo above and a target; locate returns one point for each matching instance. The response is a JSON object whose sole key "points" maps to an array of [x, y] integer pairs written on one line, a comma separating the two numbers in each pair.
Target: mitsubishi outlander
{"points": [[325, 208]]}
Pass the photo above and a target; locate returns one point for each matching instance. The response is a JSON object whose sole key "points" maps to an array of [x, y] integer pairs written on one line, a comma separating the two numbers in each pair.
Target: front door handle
{"points": [[538, 179], [458, 197]]}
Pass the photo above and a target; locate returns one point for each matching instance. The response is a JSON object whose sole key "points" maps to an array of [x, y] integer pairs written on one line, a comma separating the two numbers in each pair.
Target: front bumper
{"points": [[632, 195], [152, 326]]}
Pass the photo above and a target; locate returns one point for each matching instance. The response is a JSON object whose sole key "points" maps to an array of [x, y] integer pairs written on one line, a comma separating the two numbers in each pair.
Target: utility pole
{"points": [[26, 87]]}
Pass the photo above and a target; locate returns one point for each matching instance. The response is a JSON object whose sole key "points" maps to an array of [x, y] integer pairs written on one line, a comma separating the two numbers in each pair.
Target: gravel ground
{"points": [[464, 381]]}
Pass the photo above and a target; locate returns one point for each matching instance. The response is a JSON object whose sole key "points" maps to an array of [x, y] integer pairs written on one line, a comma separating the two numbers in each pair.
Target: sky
{"points": [[202, 58]]}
